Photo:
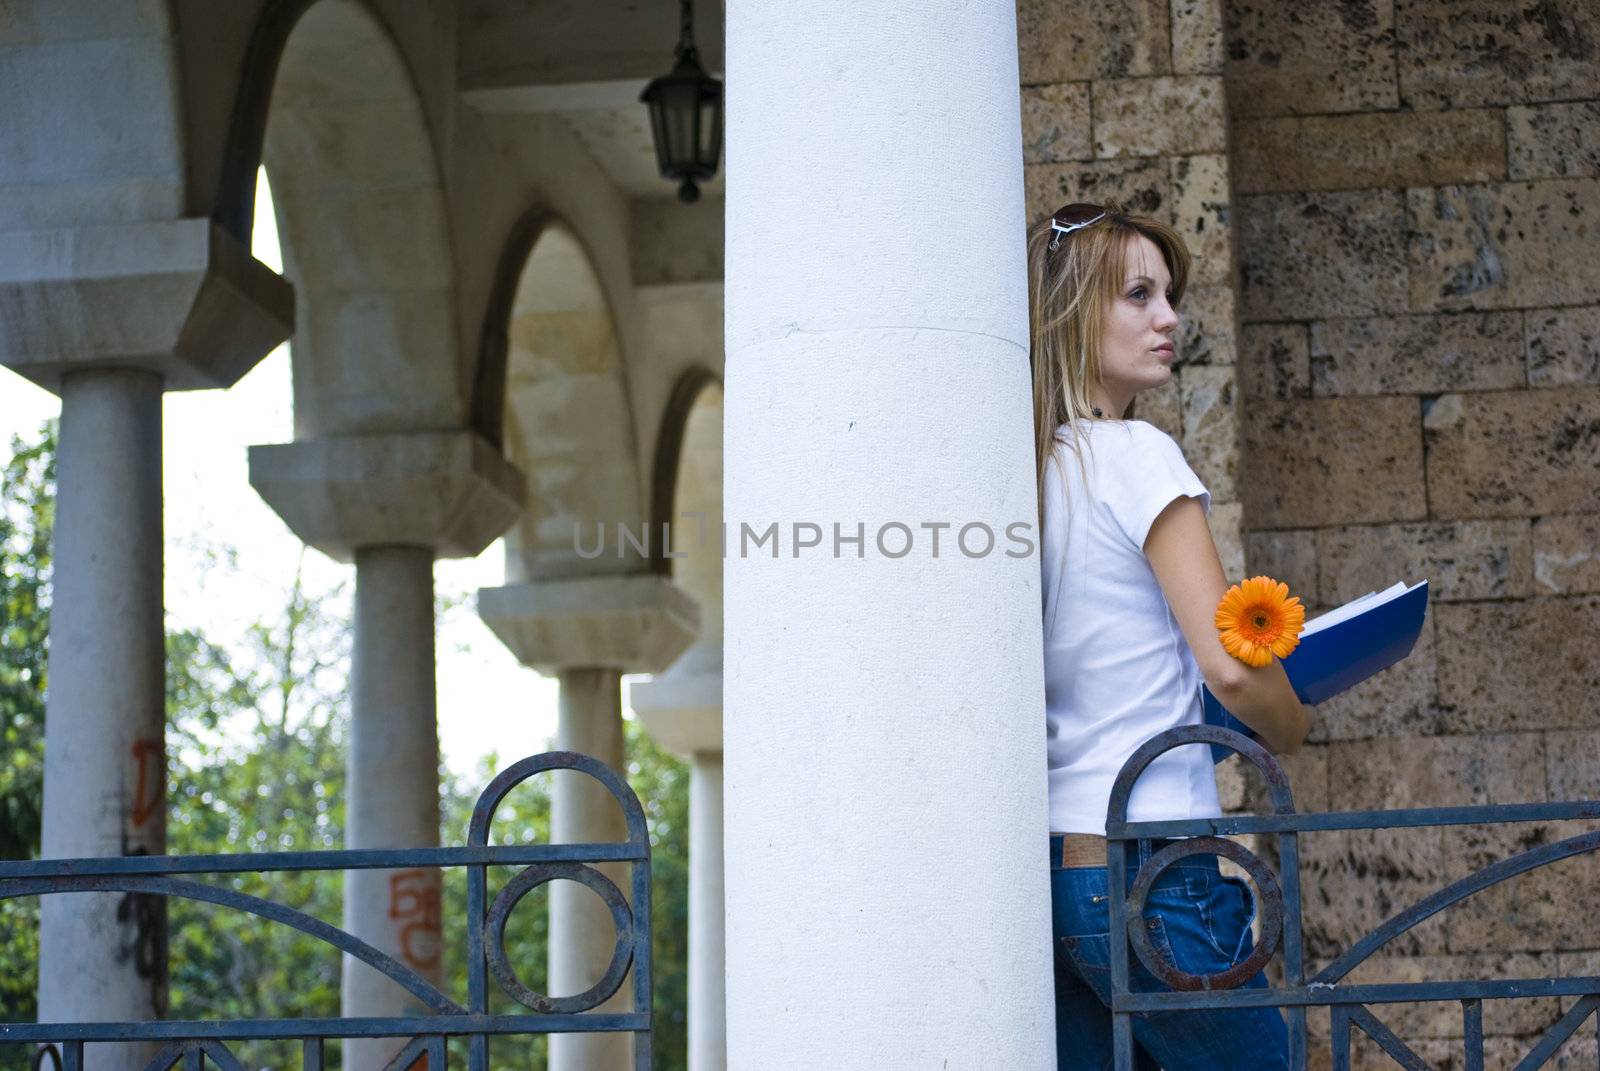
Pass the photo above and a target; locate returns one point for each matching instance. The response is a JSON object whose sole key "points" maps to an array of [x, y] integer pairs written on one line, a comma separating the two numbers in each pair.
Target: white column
{"points": [[708, 1033], [109, 316], [883, 727], [682, 709], [582, 934], [589, 631], [392, 504], [392, 787], [103, 956]]}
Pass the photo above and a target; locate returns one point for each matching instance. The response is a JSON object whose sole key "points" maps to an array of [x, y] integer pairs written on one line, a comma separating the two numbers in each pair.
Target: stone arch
{"points": [[234, 208], [328, 105], [688, 480], [552, 391], [686, 476]]}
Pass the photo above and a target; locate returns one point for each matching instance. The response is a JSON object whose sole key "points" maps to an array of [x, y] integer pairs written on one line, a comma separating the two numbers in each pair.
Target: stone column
{"points": [[109, 317], [392, 784], [883, 731], [708, 1023], [104, 957], [589, 632], [583, 812], [682, 708], [391, 503]]}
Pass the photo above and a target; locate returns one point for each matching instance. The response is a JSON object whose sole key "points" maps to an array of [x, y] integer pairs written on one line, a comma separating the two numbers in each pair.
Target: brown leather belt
{"points": [[1079, 849]]}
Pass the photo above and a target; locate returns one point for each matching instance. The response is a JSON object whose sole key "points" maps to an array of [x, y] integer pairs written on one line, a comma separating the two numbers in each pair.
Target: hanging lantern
{"points": [[686, 117]]}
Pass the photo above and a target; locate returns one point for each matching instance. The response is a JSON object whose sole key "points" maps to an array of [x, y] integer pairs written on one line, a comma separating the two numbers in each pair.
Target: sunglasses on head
{"points": [[1073, 217]]}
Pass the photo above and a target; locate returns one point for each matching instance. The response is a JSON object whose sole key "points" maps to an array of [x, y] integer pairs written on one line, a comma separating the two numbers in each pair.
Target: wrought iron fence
{"points": [[1280, 916], [197, 1042]]}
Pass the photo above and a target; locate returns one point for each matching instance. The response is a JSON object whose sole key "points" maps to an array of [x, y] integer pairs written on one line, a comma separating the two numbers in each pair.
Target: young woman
{"points": [[1131, 585]]}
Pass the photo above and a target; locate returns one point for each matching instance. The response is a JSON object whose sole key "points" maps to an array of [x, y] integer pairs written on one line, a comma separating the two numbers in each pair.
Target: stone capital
{"points": [[635, 622], [181, 298], [683, 711], [448, 490]]}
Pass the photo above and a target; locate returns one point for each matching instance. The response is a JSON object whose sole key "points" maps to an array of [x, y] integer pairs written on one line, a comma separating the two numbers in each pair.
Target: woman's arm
{"points": [[1184, 558]]}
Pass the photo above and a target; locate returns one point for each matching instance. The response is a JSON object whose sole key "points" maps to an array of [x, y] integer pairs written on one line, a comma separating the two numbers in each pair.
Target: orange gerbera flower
{"points": [[1258, 619]]}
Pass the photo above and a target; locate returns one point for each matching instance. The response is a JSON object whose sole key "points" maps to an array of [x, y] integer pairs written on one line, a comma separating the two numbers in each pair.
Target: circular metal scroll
{"points": [[1270, 897], [494, 934]]}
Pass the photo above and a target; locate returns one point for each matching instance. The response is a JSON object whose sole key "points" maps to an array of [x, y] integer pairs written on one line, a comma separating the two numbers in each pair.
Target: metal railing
{"points": [[1280, 917], [197, 1042]]}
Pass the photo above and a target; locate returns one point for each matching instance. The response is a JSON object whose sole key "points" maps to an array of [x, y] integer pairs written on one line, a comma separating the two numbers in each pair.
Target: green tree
{"points": [[662, 784], [257, 740], [27, 521]]}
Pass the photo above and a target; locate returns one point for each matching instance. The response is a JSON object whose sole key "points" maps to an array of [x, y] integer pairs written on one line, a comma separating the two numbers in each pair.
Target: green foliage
{"points": [[27, 521], [258, 747], [662, 784], [256, 739]]}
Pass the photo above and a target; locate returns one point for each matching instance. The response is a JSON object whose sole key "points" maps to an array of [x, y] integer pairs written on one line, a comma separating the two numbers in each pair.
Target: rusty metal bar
{"points": [[326, 1028], [1341, 1038], [1375, 1029], [343, 859], [1116, 903], [1238, 825], [1320, 996], [1294, 971], [1472, 1033], [1557, 1035]]}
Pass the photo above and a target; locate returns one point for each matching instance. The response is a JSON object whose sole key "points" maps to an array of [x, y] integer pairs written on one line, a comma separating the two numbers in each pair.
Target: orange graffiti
{"points": [[148, 760], [414, 902]]}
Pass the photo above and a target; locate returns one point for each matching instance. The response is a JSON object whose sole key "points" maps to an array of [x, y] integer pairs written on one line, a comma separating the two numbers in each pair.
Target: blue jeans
{"points": [[1200, 922]]}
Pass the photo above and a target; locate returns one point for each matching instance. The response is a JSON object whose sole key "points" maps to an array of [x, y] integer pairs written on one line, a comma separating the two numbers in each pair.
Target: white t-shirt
{"points": [[1117, 667]]}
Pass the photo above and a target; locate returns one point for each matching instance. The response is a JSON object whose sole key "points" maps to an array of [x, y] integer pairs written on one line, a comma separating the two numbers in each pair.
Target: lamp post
{"points": [[686, 116]]}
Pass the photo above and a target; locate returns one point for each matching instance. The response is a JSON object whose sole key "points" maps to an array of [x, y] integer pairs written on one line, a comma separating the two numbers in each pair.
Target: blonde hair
{"points": [[1069, 289]]}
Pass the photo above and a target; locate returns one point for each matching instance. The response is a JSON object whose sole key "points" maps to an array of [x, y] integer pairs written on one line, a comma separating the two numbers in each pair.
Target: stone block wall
{"points": [[1417, 193], [1126, 100], [1389, 369]]}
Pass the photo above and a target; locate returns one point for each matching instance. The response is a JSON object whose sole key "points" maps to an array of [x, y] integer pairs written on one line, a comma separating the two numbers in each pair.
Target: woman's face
{"points": [[1137, 348]]}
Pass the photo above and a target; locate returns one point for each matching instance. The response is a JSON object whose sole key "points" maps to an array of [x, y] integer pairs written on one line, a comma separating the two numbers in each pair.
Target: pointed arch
{"points": [[692, 390], [552, 390], [234, 210], [328, 105]]}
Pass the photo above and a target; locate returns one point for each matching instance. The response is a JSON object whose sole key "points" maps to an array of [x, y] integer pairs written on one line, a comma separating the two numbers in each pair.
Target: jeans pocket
{"points": [[1183, 935], [1228, 913], [1156, 927], [1078, 902]]}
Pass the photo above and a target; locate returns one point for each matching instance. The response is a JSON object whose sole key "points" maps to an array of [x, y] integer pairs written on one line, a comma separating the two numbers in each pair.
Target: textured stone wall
{"points": [[1125, 99], [1417, 186], [1389, 369]]}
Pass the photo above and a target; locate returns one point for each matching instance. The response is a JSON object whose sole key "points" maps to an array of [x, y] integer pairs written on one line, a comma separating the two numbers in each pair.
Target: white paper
{"points": [[1371, 600]]}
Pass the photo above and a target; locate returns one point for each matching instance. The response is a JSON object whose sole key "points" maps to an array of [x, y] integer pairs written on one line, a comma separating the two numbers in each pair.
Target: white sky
{"points": [[487, 702]]}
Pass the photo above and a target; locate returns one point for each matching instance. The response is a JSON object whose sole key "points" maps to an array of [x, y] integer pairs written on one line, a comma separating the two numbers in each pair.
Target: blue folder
{"points": [[1340, 656]]}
